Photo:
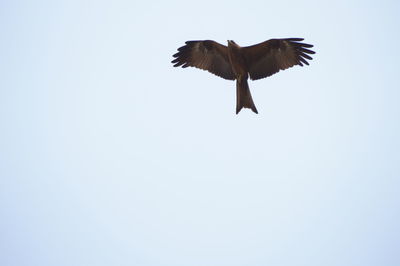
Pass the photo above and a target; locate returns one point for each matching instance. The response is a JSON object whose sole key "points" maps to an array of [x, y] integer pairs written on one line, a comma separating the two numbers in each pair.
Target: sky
{"points": [[111, 156]]}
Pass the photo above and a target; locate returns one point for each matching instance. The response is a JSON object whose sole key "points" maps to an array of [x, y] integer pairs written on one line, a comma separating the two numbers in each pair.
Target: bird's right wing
{"points": [[269, 57], [207, 55]]}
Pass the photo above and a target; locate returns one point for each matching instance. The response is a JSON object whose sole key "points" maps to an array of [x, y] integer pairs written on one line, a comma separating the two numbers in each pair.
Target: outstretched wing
{"points": [[267, 58], [206, 55]]}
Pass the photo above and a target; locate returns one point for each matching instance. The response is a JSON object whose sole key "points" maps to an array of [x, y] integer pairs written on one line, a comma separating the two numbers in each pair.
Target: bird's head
{"points": [[231, 43]]}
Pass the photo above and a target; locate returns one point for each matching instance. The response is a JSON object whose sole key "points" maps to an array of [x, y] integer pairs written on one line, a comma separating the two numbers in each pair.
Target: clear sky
{"points": [[110, 156]]}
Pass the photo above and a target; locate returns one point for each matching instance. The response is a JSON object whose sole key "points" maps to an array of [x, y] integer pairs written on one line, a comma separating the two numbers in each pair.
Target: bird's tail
{"points": [[243, 96]]}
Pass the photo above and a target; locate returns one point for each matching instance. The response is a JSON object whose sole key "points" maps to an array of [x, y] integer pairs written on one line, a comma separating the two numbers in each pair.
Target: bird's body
{"points": [[239, 68], [239, 63], [236, 59]]}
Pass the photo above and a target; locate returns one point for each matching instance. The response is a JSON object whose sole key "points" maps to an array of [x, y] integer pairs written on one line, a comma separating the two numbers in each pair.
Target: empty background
{"points": [[110, 156]]}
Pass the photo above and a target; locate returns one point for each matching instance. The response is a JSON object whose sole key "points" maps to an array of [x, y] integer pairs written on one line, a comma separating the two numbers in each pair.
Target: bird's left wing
{"points": [[269, 57], [207, 55]]}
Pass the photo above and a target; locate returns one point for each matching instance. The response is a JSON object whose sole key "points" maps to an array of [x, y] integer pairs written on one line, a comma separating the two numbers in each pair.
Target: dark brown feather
{"points": [[269, 57], [207, 55]]}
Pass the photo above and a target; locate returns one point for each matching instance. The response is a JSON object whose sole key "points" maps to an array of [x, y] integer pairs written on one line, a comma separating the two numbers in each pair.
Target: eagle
{"points": [[234, 62]]}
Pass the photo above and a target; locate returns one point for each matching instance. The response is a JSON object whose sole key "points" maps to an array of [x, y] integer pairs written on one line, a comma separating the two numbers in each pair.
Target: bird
{"points": [[234, 62]]}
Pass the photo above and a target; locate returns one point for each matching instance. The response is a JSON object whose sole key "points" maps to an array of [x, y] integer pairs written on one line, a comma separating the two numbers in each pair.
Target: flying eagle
{"points": [[234, 62]]}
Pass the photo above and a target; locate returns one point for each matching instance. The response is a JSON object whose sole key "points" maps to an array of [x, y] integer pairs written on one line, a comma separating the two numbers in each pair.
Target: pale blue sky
{"points": [[110, 156]]}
